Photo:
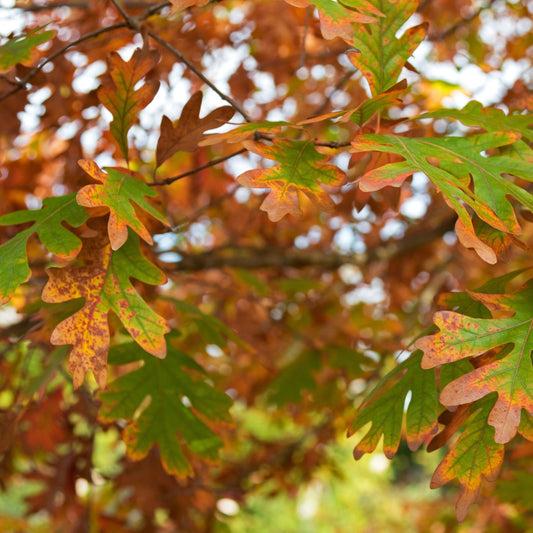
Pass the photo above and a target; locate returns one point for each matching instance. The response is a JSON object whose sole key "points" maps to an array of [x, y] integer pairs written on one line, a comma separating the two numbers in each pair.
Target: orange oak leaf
{"points": [[119, 189], [190, 128], [103, 280], [300, 169], [120, 95], [509, 376]]}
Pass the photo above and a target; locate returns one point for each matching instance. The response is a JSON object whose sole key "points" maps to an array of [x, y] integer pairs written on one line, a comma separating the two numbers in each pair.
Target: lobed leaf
{"points": [[473, 457], [189, 129], [174, 416], [384, 408], [452, 163], [119, 189], [337, 19], [21, 48], [103, 280], [380, 54], [119, 95], [48, 224], [300, 169], [510, 376]]}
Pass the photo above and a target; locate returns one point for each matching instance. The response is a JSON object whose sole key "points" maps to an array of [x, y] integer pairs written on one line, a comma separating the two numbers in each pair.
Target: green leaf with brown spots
{"points": [[301, 169], [55, 237], [103, 279], [182, 406]]}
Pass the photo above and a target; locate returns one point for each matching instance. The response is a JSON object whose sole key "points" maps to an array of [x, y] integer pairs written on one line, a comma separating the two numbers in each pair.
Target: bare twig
{"points": [[192, 67], [304, 37], [22, 83], [338, 86], [212, 163]]}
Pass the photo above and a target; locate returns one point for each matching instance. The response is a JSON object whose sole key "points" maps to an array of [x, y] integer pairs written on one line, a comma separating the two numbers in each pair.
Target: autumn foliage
{"points": [[217, 211]]}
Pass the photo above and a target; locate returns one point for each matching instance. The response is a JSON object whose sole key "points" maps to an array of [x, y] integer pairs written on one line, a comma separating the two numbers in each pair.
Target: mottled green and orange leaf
{"points": [[453, 164], [301, 169], [103, 280], [55, 237], [380, 54], [337, 19], [510, 376], [119, 95], [474, 457], [120, 189], [167, 420]]}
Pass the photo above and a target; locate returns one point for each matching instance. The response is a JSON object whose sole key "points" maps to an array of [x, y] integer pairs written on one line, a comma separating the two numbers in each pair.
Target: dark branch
{"points": [[255, 258]]}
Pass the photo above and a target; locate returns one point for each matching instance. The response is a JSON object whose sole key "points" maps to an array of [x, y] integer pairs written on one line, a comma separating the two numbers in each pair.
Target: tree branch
{"points": [[255, 258]]}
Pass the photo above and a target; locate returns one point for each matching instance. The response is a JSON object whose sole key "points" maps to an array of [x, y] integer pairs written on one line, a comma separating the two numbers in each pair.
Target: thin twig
{"points": [[192, 67], [132, 22], [22, 83], [304, 37], [211, 163]]}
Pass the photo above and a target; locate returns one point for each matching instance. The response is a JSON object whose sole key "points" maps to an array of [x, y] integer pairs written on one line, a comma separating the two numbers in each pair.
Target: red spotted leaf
{"points": [[118, 191], [103, 280], [510, 375], [120, 95], [300, 169], [189, 129]]}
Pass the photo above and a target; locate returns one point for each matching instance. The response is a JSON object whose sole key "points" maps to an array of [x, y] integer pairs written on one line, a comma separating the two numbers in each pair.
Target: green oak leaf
{"points": [[21, 48], [453, 164], [55, 237], [384, 407], [181, 401]]}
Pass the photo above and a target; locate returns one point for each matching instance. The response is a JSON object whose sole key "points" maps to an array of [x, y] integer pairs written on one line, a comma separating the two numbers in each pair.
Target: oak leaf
{"points": [[120, 95], [337, 19], [21, 48], [452, 163], [55, 237], [118, 191], [380, 55], [174, 416], [510, 376], [473, 457], [300, 169], [103, 280], [384, 407], [189, 129]]}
